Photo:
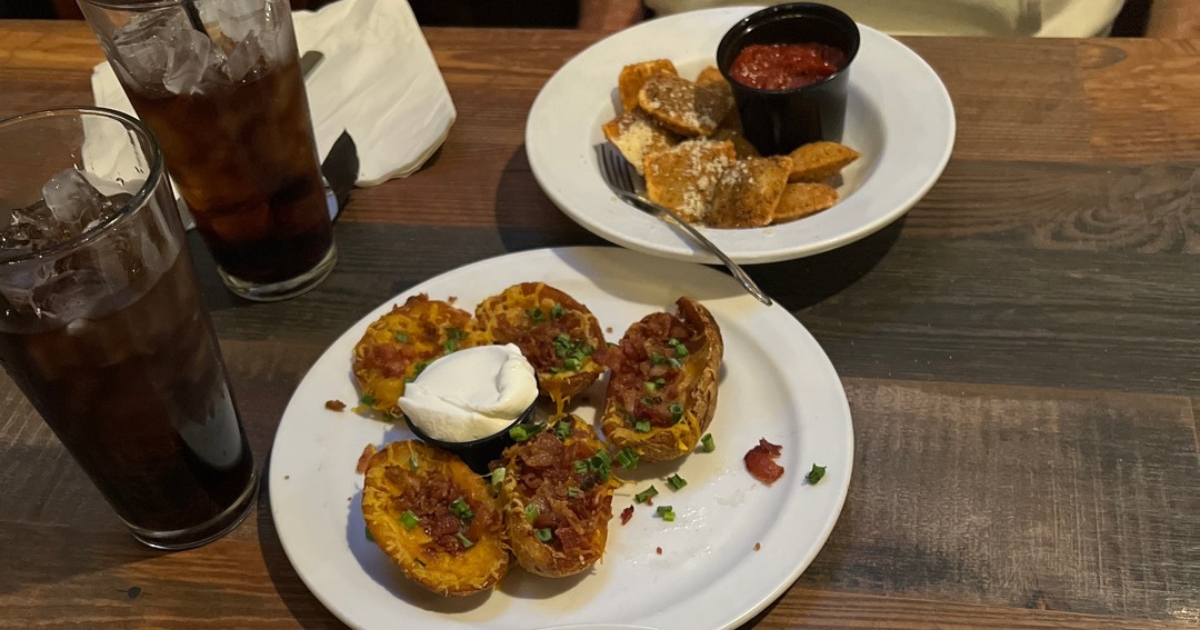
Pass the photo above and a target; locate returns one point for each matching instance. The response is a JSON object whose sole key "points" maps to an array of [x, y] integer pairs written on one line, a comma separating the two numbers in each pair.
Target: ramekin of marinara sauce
{"points": [[789, 67]]}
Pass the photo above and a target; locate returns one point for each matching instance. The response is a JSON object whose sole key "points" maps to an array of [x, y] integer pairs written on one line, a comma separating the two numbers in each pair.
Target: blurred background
{"points": [[522, 13]]}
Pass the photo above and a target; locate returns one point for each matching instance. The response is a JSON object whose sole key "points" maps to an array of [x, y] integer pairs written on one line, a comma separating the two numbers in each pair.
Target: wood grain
{"points": [[1021, 352]]}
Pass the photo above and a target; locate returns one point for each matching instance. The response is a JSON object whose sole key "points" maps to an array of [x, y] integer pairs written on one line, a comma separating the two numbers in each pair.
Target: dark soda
{"points": [[138, 395], [243, 156]]}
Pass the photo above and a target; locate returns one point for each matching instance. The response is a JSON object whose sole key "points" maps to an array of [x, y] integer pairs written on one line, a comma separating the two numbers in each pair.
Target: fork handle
{"points": [[735, 269]]}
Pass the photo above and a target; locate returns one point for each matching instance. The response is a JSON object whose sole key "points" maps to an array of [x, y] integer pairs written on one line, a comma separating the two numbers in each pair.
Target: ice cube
{"points": [[143, 45], [74, 202], [241, 19], [28, 228], [247, 56], [189, 57]]}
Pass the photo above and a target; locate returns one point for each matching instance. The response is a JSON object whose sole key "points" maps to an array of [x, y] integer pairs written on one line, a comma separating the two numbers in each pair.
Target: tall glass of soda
{"points": [[219, 83], [103, 329]]}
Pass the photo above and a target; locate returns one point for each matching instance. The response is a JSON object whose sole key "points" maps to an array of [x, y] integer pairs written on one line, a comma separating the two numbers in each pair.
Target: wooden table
{"points": [[1021, 352]]}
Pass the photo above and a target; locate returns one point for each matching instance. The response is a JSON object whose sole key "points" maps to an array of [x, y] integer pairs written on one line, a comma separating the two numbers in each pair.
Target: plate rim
{"points": [[275, 477], [543, 165]]}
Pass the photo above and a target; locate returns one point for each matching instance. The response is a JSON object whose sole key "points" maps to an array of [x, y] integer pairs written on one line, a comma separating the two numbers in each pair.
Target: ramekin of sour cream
{"points": [[467, 400]]}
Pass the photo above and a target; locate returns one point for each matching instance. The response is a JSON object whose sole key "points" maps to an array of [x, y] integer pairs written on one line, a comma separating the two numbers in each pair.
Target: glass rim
{"points": [[133, 5], [138, 199]]}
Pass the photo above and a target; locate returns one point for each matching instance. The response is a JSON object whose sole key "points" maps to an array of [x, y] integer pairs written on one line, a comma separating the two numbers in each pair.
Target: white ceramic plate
{"points": [[776, 383], [899, 116]]}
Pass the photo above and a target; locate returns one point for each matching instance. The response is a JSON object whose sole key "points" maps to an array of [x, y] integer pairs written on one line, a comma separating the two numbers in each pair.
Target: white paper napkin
{"points": [[379, 81]]}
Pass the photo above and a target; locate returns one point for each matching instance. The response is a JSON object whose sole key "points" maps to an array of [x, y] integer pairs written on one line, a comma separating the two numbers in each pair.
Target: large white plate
{"points": [[899, 116], [776, 383]]}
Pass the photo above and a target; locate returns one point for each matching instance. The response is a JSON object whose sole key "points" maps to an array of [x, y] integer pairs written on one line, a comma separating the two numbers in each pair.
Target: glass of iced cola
{"points": [[103, 328], [219, 83]]}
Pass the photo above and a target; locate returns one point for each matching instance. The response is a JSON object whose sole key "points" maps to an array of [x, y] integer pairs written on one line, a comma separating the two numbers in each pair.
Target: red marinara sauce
{"points": [[785, 66]]}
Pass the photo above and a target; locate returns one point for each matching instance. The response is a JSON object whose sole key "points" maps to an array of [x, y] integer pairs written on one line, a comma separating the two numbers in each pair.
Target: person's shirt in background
{"points": [[997, 18]]}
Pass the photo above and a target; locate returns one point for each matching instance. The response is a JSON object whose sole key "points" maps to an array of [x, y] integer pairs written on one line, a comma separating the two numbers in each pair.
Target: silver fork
{"points": [[631, 188]]}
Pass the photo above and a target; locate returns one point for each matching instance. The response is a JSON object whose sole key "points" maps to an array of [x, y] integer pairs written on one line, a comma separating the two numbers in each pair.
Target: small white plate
{"points": [[899, 117], [775, 383]]}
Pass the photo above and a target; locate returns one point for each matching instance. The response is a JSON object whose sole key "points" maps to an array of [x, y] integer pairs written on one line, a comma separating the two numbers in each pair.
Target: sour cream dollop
{"points": [[471, 394]]}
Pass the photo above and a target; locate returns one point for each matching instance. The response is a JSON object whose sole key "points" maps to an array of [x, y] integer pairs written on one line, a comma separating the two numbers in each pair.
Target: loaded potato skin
{"points": [[663, 389], [556, 333], [396, 347], [435, 518], [557, 499]]}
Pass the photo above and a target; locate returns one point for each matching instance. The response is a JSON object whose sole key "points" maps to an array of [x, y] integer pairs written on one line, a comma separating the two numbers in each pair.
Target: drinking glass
{"points": [[219, 83], [103, 328]]}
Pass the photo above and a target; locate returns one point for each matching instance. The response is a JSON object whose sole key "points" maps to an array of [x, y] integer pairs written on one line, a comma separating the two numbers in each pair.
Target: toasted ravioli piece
{"points": [[397, 346], [420, 504], [684, 107], [662, 392], [556, 333], [556, 512], [802, 199], [709, 76], [635, 75], [637, 135], [818, 161], [747, 193], [683, 177]]}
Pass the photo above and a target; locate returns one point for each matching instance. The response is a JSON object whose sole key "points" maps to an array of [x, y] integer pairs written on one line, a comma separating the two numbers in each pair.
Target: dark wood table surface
{"points": [[1021, 352]]}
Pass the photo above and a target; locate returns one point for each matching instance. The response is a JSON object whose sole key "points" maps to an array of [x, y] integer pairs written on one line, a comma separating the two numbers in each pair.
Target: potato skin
{"points": [[505, 318], [457, 574], [383, 363], [550, 559], [697, 392]]}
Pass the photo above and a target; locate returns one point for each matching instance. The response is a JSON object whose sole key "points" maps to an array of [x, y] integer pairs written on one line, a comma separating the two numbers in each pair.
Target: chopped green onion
{"points": [[573, 364], [544, 534], [420, 367], [646, 494], [367, 399], [706, 443], [401, 337], [558, 311], [466, 542], [651, 386], [648, 401], [450, 346], [581, 467], [666, 513], [642, 426], [816, 474], [412, 461], [627, 458], [676, 410], [531, 512], [461, 510], [573, 492], [675, 363], [563, 429], [518, 433], [676, 482], [535, 314], [660, 381], [408, 519], [680, 349], [367, 531], [657, 359], [454, 333], [498, 476]]}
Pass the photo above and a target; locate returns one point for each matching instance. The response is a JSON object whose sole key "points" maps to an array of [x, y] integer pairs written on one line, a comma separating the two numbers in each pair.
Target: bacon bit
{"points": [[759, 462], [335, 405], [626, 514], [757, 546], [608, 329], [367, 453], [658, 550], [452, 299], [286, 477]]}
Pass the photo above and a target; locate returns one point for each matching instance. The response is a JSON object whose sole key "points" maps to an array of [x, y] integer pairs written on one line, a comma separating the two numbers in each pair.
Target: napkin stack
{"points": [[378, 81]]}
